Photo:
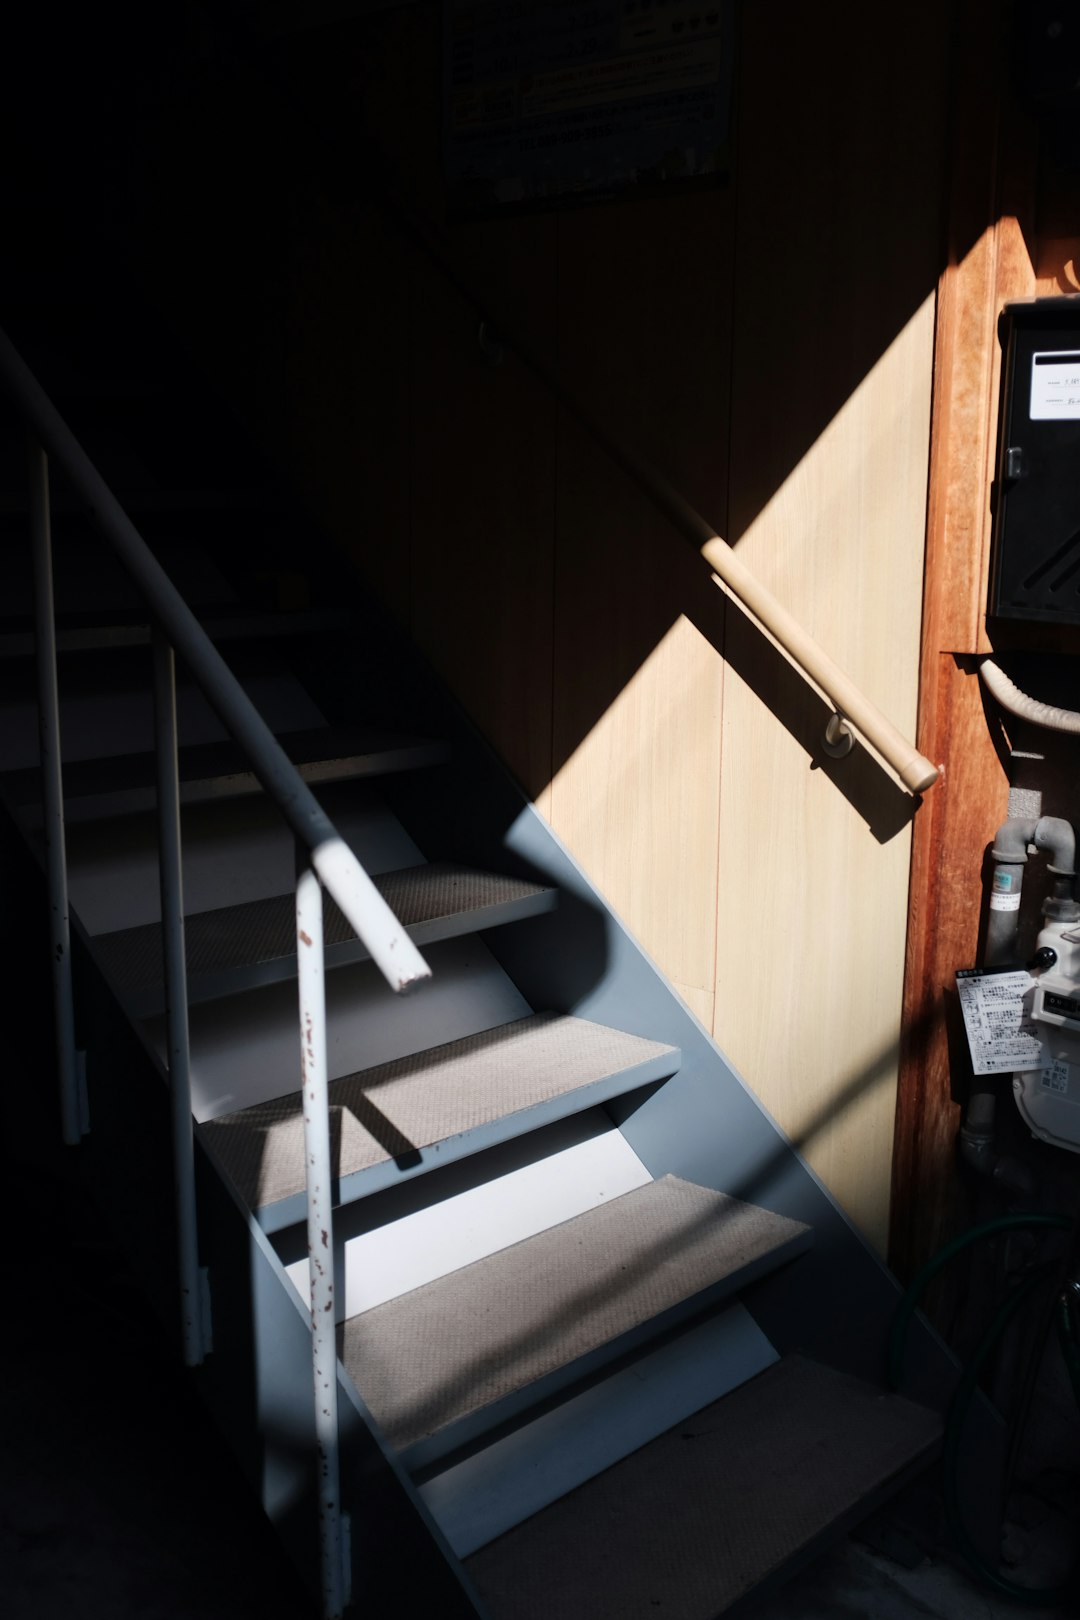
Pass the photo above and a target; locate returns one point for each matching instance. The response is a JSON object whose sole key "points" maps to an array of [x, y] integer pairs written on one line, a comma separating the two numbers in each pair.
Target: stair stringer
{"points": [[705, 1125], [837, 1303], [262, 1345]]}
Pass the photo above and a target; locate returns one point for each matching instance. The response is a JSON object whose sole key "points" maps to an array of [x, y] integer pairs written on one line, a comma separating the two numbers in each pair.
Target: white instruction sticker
{"points": [[996, 1004], [1056, 1077], [1055, 385]]}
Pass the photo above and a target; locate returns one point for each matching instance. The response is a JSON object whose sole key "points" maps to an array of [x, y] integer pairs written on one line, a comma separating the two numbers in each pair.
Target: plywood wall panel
{"points": [[346, 394], [636, 797], [832, 372], [812, 905], [644, 344], [483, 508], [644, 339], [990, 159]]}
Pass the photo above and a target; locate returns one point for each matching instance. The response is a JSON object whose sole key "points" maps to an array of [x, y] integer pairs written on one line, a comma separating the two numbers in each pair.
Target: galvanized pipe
{"points": [[320, 1227], [67, 1059], [170, 875]]}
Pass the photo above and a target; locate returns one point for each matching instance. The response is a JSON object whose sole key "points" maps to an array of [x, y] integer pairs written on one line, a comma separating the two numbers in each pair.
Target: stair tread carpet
{"points": [[394, 1109], [695, 1520], [101, 632], [473, 1340], [433, 902], [217, 770]]}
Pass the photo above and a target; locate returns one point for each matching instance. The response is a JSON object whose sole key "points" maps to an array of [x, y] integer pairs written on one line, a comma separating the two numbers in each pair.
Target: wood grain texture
{"points": [[991, 193], [483, 508], [767, 344], [817, 1031], [346, 397], [1057, 269], [644, 337], [952, 836], [637, 798], [837, 264]]}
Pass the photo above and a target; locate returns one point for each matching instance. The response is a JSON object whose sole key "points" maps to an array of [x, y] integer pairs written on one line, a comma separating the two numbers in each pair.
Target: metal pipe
{"points": [[1009, 855], [67, 1058], [1053, 837], [320, 1227], [374, 922], [1010, 697], [170, 875]]}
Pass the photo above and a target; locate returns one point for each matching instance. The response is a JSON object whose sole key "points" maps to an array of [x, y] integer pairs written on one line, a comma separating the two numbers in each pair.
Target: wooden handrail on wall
{"points": [[852, 706]]}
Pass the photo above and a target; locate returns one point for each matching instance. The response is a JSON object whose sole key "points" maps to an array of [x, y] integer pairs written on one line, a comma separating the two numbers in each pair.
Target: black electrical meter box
{"points": [[1035, 546]]}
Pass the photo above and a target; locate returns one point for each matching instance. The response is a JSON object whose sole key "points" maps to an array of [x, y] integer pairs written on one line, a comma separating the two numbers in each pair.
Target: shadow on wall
{"points": [[720, 333]]}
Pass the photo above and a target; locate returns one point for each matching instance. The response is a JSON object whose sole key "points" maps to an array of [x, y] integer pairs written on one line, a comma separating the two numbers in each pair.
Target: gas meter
{"points": [[1049, 1097]]}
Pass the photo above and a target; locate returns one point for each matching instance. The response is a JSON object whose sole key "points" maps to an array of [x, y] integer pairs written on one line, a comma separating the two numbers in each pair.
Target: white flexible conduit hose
{"points": [[1009, 695]]}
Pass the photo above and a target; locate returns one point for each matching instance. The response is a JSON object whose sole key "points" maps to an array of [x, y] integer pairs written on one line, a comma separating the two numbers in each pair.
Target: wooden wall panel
{"points": [[835, 274], [637, 798], [483, 508], [812, 905], [345, 396], [990, 232], [644, 343], [767, 343]]}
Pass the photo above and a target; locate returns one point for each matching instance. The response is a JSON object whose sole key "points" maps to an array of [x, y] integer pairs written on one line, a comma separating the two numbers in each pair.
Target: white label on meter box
{"points": [[1055, 385], [996, 1004], [1056, 1078]]}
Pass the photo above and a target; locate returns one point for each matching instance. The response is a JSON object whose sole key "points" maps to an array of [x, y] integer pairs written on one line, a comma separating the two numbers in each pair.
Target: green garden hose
{"points": [[906, 1308], [958, 1410], [965, 1390]]}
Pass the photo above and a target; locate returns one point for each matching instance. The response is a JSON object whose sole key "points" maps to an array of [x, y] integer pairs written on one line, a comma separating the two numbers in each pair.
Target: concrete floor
{"points": [[109, 1512]]}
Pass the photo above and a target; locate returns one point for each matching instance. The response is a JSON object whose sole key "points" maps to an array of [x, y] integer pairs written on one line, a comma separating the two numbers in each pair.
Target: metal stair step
{"points": [[732, 1498], [403, 1118], [152, 501], [484, 1491], [131, 630], [125, 784], [240, 947], [450, 1360]]}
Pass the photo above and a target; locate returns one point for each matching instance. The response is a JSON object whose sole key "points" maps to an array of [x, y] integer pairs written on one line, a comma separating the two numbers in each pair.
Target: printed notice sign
{"points": [[996, 1004], [1055, 385], [550, 101]]}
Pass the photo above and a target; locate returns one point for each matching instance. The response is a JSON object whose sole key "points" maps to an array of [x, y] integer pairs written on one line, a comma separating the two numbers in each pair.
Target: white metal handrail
{"points": [[323, 860]]}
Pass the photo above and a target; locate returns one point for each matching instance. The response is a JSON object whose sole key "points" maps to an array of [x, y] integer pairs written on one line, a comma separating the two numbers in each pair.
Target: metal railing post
{"points": [[193, 1313], [73, 1122], [320, 1229]]}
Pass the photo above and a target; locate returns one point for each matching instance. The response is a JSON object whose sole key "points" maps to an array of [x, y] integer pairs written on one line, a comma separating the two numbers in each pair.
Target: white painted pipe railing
{"points": [[324, 859], [68, 1056]]}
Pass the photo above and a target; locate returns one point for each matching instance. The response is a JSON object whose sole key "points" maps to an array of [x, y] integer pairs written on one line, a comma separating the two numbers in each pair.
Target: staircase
{"points": [[606, 1348]]}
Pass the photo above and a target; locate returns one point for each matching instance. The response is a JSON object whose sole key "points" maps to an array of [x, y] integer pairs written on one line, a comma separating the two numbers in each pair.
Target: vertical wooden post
{"points": [[989, 261]]}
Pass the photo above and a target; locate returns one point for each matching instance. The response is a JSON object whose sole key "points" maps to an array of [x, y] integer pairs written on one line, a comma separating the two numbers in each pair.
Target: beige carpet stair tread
{"points": [[481, 1335], [693, 1521], [396, 1108], [264, 931], [218, 770]]}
